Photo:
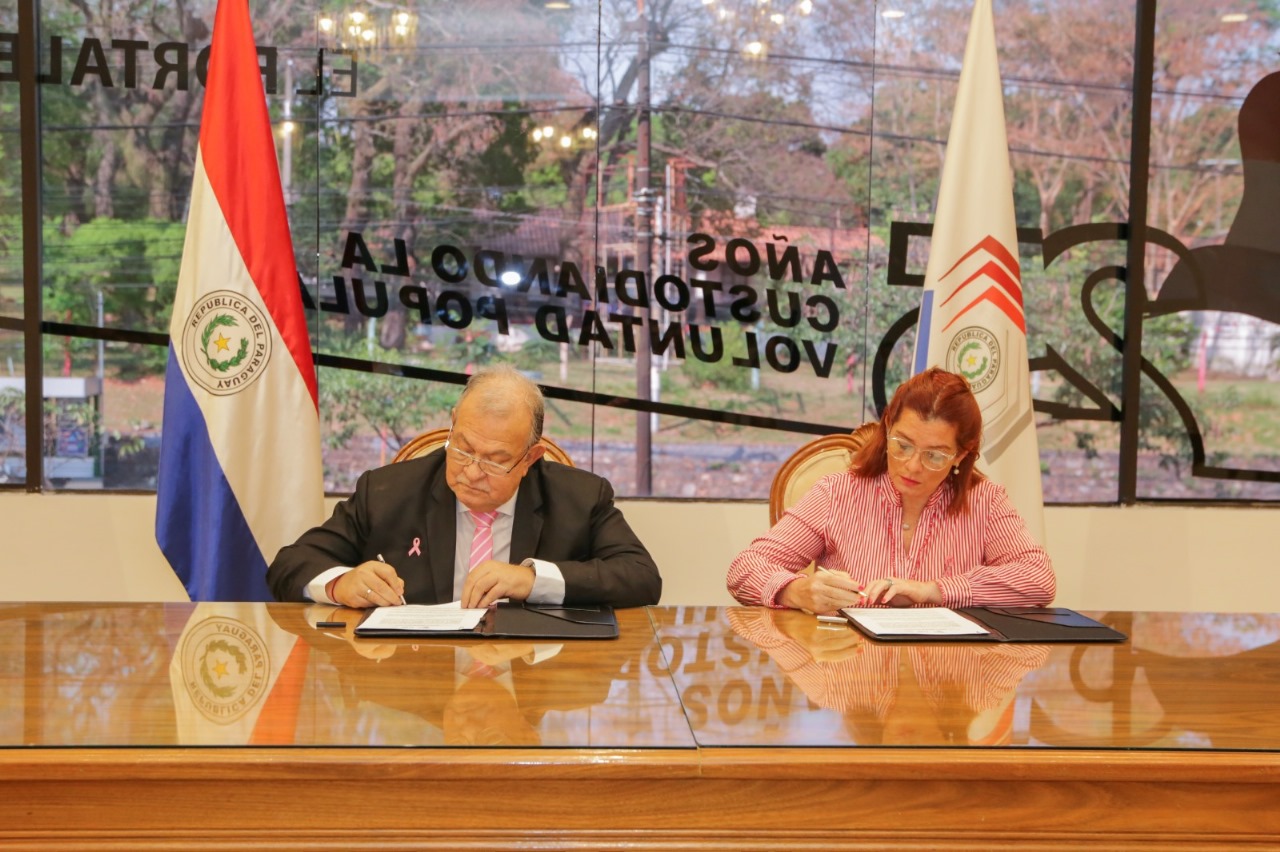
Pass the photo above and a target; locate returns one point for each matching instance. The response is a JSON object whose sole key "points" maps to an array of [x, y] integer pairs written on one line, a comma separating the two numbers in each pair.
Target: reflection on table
{"points": [[786, 678], [699, 728], [1185, 681], [948, 694], [753, 677], [225, 674]]}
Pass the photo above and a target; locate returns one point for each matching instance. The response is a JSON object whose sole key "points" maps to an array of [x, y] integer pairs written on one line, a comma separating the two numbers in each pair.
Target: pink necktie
{"points": [[482, 541]]}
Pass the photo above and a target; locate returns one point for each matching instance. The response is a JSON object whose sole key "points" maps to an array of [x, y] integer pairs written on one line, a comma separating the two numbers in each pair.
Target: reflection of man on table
{"points": [[475, 693], [896, 694], [484, 519]]}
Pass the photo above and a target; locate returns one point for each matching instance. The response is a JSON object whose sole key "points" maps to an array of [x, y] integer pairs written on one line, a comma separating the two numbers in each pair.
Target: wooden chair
{"points": [[429, 442], [814, 460]]}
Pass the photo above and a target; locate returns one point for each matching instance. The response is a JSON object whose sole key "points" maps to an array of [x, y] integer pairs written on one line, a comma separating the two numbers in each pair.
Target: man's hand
{"points": [[369, 584], [491, 580]]}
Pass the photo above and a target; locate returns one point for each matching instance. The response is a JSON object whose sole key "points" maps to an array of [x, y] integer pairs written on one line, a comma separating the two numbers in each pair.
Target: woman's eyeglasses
{"points": [[932, 459]]}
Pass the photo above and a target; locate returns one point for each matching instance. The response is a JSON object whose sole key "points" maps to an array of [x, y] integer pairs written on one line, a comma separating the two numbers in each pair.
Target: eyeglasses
{"points": [[932, 459], [488, 468]]}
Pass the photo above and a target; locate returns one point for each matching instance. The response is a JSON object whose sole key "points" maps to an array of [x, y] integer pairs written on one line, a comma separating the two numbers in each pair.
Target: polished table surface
{"points": [[1184, 682], [223, 674], [698, 727]]}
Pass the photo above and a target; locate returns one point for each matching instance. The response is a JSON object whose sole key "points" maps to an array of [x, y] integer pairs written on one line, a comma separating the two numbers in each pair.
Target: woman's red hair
{"points": [[934, 394]]}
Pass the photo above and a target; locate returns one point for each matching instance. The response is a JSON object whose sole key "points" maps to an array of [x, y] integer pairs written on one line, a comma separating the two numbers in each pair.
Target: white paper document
{"points": [[921, 621], [420, 617]]}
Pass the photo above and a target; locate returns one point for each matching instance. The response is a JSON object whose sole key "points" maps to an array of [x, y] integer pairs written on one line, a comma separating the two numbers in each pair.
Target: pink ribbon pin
{"points": [[416, 550]]}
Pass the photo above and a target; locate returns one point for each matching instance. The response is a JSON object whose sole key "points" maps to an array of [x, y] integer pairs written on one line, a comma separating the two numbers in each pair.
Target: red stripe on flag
{"points": [[1001, 301], [240, 162], [996, 273], [992, 246], [278, 722]]}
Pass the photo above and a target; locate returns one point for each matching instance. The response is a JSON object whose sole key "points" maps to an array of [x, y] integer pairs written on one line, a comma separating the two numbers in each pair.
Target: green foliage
{"points": [[133, 265], [359, 403], [532, 355], [1167, 342], [500, 167], [433, 148], [720, 375], [547, 185], [472, 349], [10, 261], [12, 431]]}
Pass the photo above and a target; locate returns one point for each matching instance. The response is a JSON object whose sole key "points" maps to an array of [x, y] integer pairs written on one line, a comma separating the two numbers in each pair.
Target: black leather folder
{"points": [[524, 621], [1031, 624], [1040, 624]]}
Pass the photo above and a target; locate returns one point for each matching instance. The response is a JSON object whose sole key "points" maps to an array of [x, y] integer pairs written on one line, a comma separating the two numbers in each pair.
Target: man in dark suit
{"points": [[485, 518]]}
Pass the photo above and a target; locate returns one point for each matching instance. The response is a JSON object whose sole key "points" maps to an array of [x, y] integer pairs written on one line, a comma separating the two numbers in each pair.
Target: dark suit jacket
{"points": [[563, 515]]}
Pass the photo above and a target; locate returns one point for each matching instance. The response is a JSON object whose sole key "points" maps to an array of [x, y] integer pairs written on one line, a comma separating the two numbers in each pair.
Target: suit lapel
{"points": [[442, 536], [526, 527]]}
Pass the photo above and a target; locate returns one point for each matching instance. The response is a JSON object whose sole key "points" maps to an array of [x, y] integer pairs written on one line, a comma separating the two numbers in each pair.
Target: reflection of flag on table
{"points": [[971, 315], [237, 678], [240, 471]]}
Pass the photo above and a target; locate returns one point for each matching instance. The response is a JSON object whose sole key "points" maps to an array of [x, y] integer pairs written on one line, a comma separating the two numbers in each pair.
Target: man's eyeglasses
{"points": [[489, 468], [932, 459]]}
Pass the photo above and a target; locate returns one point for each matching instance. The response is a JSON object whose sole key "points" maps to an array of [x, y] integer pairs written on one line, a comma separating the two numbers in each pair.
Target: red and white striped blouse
{"points": [[982, 556]]}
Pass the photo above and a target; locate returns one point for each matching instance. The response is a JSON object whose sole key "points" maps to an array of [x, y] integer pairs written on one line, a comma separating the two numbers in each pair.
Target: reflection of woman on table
{"points": [[910, 523], [897, 694]]}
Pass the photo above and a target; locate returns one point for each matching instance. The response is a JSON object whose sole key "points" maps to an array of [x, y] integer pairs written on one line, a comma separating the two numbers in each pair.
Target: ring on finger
{"points": [[368, 593]]}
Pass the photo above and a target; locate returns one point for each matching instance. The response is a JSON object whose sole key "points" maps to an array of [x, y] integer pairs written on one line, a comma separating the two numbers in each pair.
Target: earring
{"points": [[955, 471]]}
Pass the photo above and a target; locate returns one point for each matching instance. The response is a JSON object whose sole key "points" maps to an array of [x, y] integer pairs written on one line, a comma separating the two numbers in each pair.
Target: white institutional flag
{"points": [[971, 315]]}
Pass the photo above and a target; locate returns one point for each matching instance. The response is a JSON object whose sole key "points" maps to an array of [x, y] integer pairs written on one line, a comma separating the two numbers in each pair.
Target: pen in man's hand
{"points": [[829, 571], [403, 602]]}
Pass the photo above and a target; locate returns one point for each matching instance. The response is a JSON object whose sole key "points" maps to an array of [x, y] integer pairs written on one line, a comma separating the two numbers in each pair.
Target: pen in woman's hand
{"points": [[829, 571], [403, 602]]}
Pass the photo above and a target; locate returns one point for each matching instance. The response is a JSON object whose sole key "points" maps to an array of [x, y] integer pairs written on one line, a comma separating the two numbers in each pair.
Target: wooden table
{"points": [[216, 726]]}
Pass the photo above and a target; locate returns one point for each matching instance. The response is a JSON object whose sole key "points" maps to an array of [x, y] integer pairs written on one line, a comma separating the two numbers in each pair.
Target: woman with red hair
{"points": [[910, 523]]}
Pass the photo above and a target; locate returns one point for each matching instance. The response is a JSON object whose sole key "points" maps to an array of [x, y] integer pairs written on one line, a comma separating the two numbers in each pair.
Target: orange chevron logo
{"points": [[1004, 289]]}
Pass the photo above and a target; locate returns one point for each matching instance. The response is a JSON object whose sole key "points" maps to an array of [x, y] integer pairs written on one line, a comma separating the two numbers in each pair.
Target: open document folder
{"points": [[980, 624], [504, 620]]}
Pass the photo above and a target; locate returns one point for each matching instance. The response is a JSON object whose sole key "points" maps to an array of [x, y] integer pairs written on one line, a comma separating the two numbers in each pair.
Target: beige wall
{"points": [[99, 547]]}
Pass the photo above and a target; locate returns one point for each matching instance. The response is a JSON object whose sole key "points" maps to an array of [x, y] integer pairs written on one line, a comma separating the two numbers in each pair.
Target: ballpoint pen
{"points": [[829, 571], [403, 602]]}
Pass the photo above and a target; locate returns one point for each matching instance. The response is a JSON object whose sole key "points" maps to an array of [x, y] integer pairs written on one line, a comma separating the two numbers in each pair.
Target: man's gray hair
{"points": [[501, 389]]}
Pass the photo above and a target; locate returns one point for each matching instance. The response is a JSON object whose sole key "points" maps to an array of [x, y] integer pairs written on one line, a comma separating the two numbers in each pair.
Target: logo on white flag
{"points": [[226, 342], [975, 354]]}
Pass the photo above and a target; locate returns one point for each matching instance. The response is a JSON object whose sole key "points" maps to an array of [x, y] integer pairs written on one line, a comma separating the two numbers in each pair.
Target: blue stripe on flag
{"points": [[923, 328], [199, 525]]}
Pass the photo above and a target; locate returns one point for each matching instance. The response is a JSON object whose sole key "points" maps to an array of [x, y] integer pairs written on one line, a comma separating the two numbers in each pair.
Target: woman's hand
{"points": [[825, 591], [892, 591]]}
